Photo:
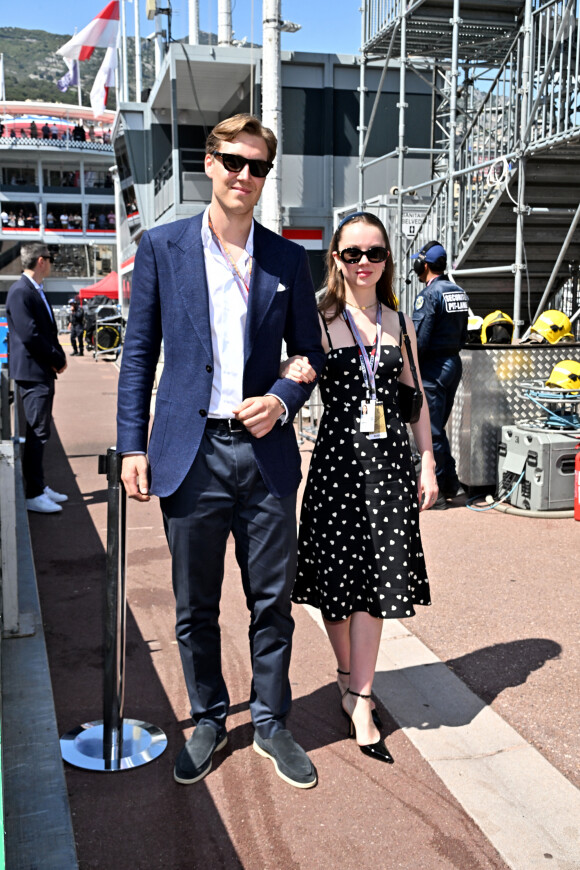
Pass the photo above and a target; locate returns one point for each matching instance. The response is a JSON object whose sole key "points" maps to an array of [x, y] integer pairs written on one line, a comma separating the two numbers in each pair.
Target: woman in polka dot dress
{"points": [[360, 557]]}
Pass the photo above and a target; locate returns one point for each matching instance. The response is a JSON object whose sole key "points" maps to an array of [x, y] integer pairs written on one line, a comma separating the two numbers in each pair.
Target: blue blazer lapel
{"points": [[263, 287], [190, 279]]}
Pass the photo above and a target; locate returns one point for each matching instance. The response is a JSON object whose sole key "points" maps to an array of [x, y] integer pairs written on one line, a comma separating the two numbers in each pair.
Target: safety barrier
{"points": [[14, 623]]}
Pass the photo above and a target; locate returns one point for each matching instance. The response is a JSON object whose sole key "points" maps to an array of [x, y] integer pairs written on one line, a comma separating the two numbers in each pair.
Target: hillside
{"points": [[32, 67]]}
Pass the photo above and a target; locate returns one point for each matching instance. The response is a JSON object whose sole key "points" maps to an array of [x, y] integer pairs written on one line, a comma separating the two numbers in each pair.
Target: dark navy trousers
{"points": [[37, 399], [441, 377], [224, 492]]}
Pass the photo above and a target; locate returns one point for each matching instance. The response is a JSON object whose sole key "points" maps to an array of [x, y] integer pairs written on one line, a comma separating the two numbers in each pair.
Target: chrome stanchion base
{"points": [[84, 747]]}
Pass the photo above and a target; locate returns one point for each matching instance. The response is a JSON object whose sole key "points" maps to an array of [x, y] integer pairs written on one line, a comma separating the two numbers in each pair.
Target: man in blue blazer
{"points": [[35, 357], [223, 293]]}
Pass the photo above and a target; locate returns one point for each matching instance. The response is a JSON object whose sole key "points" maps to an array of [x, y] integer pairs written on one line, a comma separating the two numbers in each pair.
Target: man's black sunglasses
{"points": [[48, 257], [355, 255], [235, 163]]}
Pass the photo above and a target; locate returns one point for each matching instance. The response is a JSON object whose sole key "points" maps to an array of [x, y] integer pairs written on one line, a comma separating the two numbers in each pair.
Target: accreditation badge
{"points": [[367, 415], [380, 427]]}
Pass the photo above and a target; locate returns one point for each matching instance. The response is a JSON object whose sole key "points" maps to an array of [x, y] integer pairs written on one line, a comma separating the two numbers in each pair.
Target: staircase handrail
{"points": [[509, 124], [394, 14], [489, 94], [548, 69]]}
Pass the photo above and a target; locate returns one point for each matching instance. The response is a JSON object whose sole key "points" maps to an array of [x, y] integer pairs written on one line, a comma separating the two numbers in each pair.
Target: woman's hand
{"points": [[427, 483], [298, 369]]}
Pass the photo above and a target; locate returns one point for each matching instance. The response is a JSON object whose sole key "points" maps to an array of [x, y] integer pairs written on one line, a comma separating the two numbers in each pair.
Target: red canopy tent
{"points": [[108, 286]]}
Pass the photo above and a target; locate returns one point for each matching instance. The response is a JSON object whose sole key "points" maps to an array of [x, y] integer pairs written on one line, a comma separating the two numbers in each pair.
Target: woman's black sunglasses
{"points": [[235, 163], [355, 255]]}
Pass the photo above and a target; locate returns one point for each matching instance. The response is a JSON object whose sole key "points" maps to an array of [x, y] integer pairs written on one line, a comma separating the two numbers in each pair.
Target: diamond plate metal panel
{"points": [[487, 399]]}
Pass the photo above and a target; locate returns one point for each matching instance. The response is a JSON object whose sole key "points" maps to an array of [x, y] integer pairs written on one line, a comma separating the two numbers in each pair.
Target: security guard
{"points": [[76, 320], [440, 319]]}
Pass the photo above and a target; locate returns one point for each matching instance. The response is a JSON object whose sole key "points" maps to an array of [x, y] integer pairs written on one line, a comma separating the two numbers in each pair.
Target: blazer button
{"points": [[209, 368], [203, 413]]}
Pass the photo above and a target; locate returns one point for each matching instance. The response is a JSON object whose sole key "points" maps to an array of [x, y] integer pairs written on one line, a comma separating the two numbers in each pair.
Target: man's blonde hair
{"points": [[230, 129]]}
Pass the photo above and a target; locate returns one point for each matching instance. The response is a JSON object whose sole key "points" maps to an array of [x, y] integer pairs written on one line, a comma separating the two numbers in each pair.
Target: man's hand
{"points": [[60, 371], [259, 414], [135, 477]]}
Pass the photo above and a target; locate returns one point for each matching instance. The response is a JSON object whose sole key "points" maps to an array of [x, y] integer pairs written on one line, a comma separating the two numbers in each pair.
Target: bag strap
{"points": [[408, 349]]}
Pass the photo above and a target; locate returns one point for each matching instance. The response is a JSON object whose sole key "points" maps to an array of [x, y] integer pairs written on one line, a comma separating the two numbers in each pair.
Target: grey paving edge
{"points": [[525, 807], [38, 824]]}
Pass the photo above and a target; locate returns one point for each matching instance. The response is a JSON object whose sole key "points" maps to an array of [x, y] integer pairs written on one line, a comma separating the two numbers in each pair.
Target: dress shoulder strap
{"points": [[325, 324], [402, 325]]}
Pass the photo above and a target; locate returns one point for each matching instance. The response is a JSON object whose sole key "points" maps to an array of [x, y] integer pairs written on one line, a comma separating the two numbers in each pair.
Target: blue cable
{"points": [[468, 503]]}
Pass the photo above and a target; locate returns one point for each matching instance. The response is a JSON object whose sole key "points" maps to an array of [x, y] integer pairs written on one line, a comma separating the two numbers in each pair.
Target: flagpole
{"points": [[79, 91], [2, 82], [138, 84], [124, 71]]}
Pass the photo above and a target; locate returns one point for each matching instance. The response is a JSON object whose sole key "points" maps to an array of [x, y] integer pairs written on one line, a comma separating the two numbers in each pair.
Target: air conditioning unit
{"points": [[547, 462]]}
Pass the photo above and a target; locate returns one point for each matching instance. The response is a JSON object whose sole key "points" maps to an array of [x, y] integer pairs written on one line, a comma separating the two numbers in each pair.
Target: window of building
{"points": [[384, 135], [20, 216], [122, 158], [57, 179], [101, 218], [98, 180], [64, 217], [308, 134], [21, 177]]}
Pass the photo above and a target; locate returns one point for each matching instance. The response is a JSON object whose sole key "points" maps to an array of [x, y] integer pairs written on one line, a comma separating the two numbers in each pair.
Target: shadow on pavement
{"points": [[427, 695], [490, 670], [130, 819]]}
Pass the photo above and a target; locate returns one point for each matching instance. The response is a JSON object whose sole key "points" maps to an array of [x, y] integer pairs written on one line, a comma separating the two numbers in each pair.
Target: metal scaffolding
{"points": [[505, 139]]}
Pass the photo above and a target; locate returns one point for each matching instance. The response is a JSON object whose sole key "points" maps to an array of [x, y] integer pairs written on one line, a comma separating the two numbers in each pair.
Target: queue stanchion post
{"points": [[113, 743]]}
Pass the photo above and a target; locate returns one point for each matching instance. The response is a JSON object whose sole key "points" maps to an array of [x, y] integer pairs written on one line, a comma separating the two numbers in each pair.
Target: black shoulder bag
{"points": [[410, 398]]}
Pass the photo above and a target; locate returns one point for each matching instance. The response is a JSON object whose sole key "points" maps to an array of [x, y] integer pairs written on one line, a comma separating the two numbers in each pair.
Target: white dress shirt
{"points": [[228, 311]]}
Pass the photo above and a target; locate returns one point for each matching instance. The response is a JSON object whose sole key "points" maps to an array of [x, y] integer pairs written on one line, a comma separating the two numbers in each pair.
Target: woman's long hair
{"points": [[333, 302]]}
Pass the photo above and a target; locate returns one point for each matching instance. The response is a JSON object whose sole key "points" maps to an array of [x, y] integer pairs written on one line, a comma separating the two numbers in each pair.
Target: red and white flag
{"points": [[102, 32], [104, 79]]}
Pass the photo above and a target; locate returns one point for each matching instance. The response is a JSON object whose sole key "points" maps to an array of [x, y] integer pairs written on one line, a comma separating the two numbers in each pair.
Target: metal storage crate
{"points": [[547, 460]]}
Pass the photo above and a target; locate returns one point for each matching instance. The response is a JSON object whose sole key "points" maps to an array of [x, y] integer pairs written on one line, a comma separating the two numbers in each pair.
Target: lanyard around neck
{"points": [[368, 369], [232, 265]]}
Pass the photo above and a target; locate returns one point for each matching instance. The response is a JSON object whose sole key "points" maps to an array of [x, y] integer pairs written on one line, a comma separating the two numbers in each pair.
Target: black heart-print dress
{"points": [[359, 542]]}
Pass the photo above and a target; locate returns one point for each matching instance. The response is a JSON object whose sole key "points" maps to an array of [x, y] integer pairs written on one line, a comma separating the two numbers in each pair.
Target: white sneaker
{"points": [[42, 504], [57, 497]]}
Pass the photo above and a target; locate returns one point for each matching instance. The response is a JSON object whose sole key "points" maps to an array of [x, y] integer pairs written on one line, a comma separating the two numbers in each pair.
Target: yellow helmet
{"points": [[499, 336], [567, 338], [565, 375], [552, 325]]}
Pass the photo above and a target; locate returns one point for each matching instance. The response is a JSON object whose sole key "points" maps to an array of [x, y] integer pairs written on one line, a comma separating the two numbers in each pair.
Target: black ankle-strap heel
{"points": [[378, 722], [376, 750]]}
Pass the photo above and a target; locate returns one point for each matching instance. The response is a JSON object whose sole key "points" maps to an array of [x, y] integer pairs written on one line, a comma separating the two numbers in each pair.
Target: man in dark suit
{"points": [[223, 293], [35, 357]]}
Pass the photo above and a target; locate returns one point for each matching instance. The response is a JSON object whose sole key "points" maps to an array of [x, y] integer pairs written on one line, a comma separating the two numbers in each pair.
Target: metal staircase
{"points": [[506, 139]]}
